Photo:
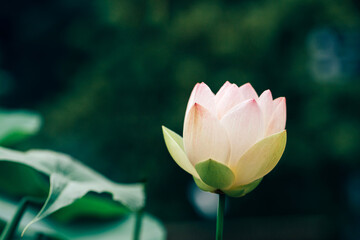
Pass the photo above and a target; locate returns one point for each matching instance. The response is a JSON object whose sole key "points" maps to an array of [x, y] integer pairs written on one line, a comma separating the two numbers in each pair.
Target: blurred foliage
{"points": [[69, 182], [66, 189], [106, 74], [17, 125], [107, 230]]}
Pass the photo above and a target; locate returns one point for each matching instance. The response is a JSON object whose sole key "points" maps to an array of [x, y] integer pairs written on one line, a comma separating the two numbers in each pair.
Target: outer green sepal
{"points": [[203, 186], [215, 174], [241, 191], [175, 145]]}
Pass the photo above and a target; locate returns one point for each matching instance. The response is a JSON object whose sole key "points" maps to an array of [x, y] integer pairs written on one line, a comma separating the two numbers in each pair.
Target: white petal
{"points": [[277, 101], [231, 97], [266, 105], [222, 91], [204, 137], [278, 119], [248, 92], [244, 126], [202, 95]]}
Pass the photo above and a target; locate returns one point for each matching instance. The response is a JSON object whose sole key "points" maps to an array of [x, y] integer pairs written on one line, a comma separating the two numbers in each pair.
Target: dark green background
{"points": [[106, 74]]}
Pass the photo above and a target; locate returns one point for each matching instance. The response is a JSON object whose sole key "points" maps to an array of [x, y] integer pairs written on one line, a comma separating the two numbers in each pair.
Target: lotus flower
{"points": [[231, 140]]}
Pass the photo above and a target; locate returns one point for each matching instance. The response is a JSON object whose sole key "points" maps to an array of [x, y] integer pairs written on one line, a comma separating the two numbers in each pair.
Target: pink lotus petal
{"points": [[248, 92], [231, 97], [244, 126], [278, 119], [204, 136], [202, 95], [266, 105], [276, 102], [222, 91]]}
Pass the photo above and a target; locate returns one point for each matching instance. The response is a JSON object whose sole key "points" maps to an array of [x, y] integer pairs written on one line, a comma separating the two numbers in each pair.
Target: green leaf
{"points": [[122, 228], [215, 174], [18, 180], [17, 125], [70, 180], [241, 191], [91, 206], [2, 225]]}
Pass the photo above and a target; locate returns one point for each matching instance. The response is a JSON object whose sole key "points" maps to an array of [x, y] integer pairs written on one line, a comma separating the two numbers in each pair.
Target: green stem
{"points": [[220, 217], [139, 216], [11, 227], [138, 223]]}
